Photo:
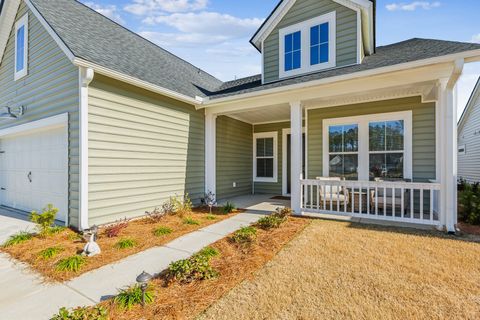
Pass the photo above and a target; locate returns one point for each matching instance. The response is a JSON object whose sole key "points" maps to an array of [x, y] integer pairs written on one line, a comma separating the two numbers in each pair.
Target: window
{"points": [[386, 149], [293, 51], [343, 151], [21, 47], [462, 150], [319, 44], [265, 157], [368, 147], [308, 46]]}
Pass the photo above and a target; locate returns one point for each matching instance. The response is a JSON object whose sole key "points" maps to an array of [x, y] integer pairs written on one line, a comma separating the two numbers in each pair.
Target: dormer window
{"points": [[21, 47], [308, 46]]}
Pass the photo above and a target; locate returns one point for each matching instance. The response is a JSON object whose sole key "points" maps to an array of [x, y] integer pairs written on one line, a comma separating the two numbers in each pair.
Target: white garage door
{"points": [[34, 170]]}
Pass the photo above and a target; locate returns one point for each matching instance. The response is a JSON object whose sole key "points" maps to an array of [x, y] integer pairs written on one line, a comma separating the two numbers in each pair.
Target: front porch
{"points": [[376, 152]]}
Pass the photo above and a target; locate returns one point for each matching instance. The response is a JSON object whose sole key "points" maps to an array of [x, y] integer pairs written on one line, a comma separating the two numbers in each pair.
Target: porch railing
{"points": [[395, 201]]}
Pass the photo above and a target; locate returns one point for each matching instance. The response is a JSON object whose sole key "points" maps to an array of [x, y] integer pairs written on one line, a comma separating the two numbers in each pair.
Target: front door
{"points": [[288, 161]]}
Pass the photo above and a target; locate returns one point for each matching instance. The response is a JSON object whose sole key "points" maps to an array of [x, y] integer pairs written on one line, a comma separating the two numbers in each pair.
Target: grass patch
{"points": [[162, 231], [56, 230], [125, 243], [191, 221], [18, 238], [50, 252], [210, 217], [72, 264], [129, 297]]}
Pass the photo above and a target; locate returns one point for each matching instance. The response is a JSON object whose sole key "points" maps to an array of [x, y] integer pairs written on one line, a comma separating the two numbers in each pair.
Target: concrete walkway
{"points": [[24, 296]]}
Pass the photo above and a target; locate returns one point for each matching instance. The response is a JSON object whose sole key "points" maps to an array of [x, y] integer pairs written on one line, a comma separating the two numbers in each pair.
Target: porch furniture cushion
{"points": [[335, 193], [384, 196]]}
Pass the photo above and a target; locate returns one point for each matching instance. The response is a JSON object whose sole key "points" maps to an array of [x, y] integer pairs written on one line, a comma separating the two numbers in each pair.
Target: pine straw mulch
{"points": [[235, 264], [141, 231]]}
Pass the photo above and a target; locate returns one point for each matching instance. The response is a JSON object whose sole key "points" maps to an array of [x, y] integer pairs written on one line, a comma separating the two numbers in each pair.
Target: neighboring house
{"points": [[469, 139], [105, 124]]}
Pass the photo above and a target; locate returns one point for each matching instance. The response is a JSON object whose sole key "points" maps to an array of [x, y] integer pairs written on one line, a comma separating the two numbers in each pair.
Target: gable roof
{"points": [[94, 38], [365, 8], [470, 105], [395, 54]]}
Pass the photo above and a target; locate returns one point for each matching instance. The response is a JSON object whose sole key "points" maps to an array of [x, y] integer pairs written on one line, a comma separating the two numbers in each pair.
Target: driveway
{"points": [[11, 222]]}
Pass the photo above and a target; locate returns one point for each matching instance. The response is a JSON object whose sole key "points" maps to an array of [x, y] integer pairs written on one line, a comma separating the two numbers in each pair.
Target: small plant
{"points": [[18, 238], [283, 212], [210, 217], [275, 219], [182, 205], [162, 231], [244, 236], [129, 297], [50, 252], [196, 267], [168, 207], [114, 230], [82, 313], [44, 220], [125, 243], [209, 200], [155, 216], [56, 229], [190, 221], [73, 263], [229, 207]]}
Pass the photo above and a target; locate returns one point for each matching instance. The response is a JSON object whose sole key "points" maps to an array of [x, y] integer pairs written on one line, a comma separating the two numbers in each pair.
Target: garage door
{"points": [[34, 170]]}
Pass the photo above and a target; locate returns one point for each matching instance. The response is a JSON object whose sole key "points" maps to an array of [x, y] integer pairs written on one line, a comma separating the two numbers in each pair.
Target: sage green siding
{"points": [[302, 10], [423, 135], [50, 88], [143, 148], [272, 187], [234, 157]]}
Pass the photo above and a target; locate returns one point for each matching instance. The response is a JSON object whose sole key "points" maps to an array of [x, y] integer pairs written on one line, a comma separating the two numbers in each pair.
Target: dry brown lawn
{"points": [[338, 270]]}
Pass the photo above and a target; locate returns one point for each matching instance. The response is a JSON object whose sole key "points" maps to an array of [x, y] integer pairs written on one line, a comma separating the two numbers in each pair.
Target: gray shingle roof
{"points": [[406, 51], [97, 39]]}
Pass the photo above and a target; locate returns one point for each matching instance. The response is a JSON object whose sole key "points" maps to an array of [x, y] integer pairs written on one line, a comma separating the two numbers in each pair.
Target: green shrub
{"points": [[129, 297], [196, 267], [44, 220], [229, 207], [270, 222], [50, 252], [125, 243], [190, 221], [162, 231], [469, 199], [73, 263], [182, 205], [82, 313], [18, 238], [245, 235]]}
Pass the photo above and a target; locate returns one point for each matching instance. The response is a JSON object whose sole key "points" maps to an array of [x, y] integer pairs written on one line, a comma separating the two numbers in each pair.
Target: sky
{"points": [[214, 34]]}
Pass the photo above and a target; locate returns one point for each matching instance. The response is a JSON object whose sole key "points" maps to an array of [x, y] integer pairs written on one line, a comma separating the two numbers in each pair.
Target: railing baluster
{"points": [[344, 188], [368, 200], [353, 199], [402, 204], [393, 202], [412, 209], [376, 201], [338, 198], [324, 196], [421, 204], [318, 196], [360, 199], [431, 205], [311, 195], [384, 211], [331, 204]]}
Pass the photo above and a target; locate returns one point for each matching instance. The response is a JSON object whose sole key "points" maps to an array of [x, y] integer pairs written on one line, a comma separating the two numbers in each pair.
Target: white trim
{"points": [[210, 152], [296, 117], [263, 63], [7, 20], [260, 135], [22, 22], [50, 31], [304, 28], [47, 123], [363, 140], [85, 78], [285, 133]]}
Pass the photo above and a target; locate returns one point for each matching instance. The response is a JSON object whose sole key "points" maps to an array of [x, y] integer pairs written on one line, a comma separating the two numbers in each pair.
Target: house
{"points": [[105, 124], [469, 139]]}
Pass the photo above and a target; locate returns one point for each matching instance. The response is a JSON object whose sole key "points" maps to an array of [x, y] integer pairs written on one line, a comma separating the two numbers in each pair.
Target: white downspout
{"points": [[85, 78]]}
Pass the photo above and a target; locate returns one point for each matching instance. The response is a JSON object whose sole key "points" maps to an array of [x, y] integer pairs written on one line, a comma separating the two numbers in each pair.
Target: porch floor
{"points": [[257, 202]]}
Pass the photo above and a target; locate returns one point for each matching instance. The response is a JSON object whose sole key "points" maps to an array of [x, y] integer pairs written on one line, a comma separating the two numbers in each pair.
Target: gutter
{"points": [[466, 56]]}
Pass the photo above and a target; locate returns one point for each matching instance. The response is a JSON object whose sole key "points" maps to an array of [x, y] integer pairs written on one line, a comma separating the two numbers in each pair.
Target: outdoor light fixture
{"points": [[12, 113], [143, 279]]}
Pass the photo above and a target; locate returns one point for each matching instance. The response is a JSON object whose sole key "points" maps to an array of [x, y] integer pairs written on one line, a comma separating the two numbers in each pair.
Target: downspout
{"points": [[85, 78]]}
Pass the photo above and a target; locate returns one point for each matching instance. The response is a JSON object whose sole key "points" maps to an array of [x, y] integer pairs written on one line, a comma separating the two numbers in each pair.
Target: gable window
{"points": [[293, 51], [308, 46], [265, 157], [21, 47]]}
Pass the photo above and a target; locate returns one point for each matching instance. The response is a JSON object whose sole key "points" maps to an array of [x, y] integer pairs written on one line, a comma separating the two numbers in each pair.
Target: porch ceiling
{"points": [[275, 113]]}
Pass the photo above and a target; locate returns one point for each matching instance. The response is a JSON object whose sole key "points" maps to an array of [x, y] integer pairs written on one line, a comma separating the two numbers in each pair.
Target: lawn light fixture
{"points": [[143, 279], [12, 113]]}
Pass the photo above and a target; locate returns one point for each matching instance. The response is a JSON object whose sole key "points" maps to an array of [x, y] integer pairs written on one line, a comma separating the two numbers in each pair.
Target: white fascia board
{"points": [[136, 82], [471, 55], [7, 20]]}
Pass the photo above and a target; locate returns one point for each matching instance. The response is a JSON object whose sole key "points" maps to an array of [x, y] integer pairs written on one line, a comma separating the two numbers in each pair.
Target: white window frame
{"points": [[462, 147], [262, 135], [364, 142], [304, 28], [22, 22]]}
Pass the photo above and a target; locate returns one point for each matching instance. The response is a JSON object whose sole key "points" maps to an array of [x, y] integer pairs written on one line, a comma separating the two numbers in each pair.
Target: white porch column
{"points": [[210, 151], [296, 111]]}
